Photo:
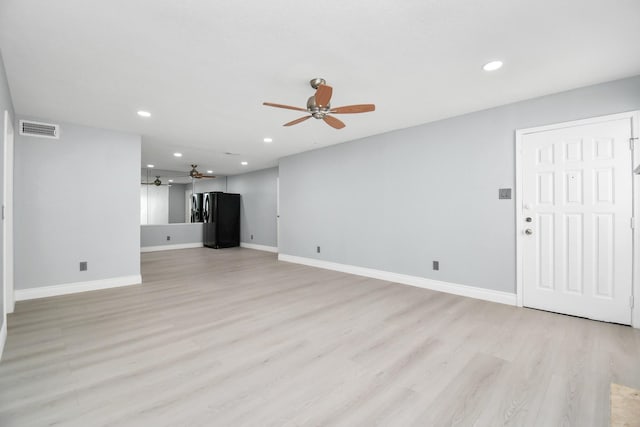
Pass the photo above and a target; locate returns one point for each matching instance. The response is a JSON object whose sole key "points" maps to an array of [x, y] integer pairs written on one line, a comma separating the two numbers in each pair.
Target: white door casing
{"points": [[576, 187], [278, 213], [7, 223]]}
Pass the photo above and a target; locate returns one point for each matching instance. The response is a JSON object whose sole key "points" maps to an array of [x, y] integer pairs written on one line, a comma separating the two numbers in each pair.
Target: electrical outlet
{"points": [[252, 237], [504, 193], [168, 238], [318, 249], [83, 265], [436, 265]]}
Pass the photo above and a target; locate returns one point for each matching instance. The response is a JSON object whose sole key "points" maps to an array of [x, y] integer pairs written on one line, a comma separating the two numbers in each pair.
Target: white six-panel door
{"points": [[576, 220]]}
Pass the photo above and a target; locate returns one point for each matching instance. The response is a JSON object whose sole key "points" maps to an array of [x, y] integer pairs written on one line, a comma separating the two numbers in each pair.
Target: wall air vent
{"points": [[42, 130]]}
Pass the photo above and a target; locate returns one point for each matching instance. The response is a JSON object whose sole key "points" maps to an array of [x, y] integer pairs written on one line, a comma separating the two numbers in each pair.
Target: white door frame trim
{"points": [[7, 222], [634, 116]]}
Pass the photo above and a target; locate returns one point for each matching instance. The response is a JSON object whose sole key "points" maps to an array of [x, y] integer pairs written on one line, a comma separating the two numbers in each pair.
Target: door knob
{"points": [[528, 219], [528, 232]]}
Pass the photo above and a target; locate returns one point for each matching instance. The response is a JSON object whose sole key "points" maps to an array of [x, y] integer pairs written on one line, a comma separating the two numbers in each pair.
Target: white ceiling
{"points": [[203, 68]]}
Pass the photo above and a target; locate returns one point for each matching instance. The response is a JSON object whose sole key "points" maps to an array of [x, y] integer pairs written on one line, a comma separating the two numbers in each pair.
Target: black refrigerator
{"points": [[221, 217]]}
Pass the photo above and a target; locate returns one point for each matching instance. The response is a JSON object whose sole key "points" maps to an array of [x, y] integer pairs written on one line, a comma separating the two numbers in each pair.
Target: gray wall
{"points": [[76, 199], [177, 205], [258, 209], [205, 184], [399, 200], [156, 235], [6, 104]]}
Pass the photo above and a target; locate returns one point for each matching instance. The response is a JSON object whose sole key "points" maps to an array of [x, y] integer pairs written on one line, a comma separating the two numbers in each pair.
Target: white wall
{"points": [[397, 201], [6, 104], [209, 184], [76, 199]]}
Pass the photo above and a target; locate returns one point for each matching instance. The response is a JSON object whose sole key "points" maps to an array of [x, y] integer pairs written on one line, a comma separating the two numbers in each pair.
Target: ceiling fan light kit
{"points": [[319, 106]]}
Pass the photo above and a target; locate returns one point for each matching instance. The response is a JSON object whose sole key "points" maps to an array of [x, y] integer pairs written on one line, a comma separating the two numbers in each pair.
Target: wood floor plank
{"points": [[235, 337]]}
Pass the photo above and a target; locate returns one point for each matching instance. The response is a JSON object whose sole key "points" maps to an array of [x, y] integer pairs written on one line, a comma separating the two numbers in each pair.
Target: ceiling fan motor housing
{"points": [[317, 112]]}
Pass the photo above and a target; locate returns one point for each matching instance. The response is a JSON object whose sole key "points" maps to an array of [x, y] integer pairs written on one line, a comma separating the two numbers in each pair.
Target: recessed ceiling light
{"points": [[268, 140], [170, 180], [492, 66], [150, 166], [244, 163], [142, 113], [177, 154]]}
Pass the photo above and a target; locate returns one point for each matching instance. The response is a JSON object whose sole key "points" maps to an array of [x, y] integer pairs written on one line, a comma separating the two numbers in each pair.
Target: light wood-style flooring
{"points": [[235, 338]]}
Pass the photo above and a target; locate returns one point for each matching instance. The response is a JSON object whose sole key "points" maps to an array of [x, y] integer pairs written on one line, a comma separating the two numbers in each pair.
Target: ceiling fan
{"points": [[197, 175], [157, 182], [319, 107]]}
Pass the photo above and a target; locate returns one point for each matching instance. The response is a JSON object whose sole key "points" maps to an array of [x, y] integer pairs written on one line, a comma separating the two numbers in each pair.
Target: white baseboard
{"points": [[259, 247], [420, 282], [3, 336], [171, 247], [72, 288]]}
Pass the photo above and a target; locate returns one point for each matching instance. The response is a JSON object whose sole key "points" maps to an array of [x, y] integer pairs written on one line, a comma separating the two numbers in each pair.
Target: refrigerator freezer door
{"points": [[228, 220]]}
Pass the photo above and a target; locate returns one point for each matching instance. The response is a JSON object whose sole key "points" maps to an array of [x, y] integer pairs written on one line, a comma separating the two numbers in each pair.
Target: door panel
{"points": [[577, 190], [573, 242], [546, 255]]}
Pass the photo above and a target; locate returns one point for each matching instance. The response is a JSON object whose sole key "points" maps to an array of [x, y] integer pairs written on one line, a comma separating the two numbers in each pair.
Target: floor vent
{"points": [[42, 130]]}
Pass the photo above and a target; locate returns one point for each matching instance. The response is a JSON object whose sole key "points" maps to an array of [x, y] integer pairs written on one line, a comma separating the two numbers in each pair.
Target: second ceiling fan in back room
{"points": [[157, 182], [193, 173], [319, 106]]}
